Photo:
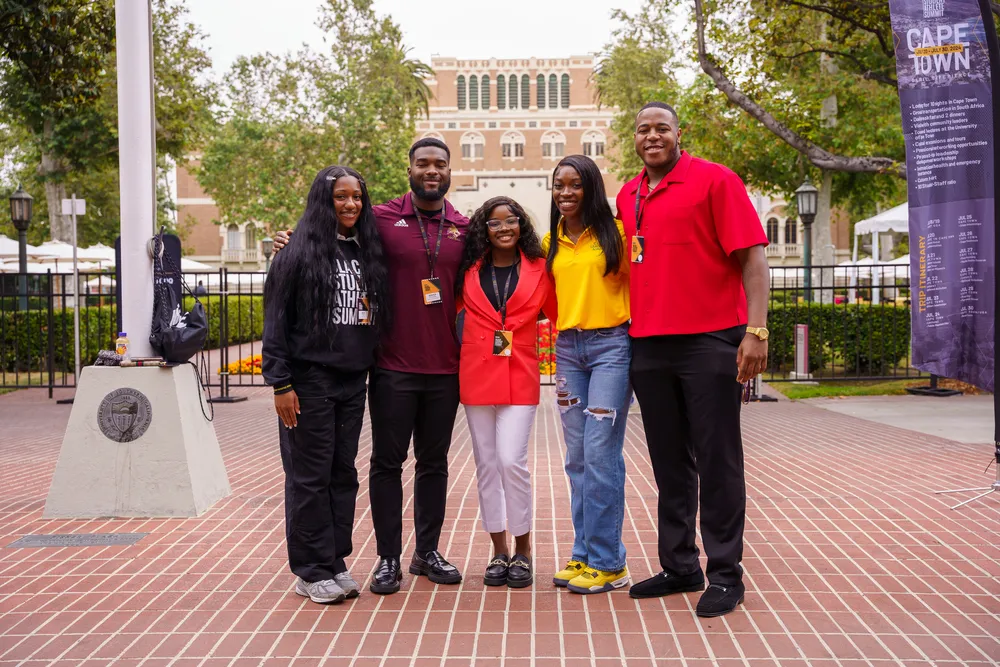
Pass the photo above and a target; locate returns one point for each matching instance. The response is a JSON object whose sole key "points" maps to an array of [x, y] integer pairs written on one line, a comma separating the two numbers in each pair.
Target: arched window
{"points": [[485, 96], [593, 144], [512, 90], [473, 145], [772, 230], [461, 91], [473, 92], [553, 145], [512, 145], [233, 237], [564, 89], [501, 92], [791, 231], [525, 91], [432, 135], [250, 234], [540, 91], [553, 92]]}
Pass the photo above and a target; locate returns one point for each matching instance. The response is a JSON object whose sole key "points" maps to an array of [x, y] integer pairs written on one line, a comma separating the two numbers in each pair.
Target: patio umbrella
{"points": [[9, 247]]}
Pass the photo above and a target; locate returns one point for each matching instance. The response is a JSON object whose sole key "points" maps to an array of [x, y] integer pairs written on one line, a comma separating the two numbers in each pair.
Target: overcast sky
{"points": [[459, 28]]}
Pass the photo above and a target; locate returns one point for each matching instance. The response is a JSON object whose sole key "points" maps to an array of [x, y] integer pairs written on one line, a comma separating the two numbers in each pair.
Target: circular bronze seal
{"points": [[124, 415]]}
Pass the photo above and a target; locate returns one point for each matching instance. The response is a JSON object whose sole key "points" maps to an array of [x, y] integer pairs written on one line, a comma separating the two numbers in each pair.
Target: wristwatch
{"points": [[759, 332]]}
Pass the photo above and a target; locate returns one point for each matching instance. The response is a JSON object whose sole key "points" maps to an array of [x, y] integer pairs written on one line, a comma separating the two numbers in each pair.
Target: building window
{"points": [[564, 88], [525, 91], [501, 92], [432, 135], [485, 96], [451, 126], [553, 145], [473, 145], [492, 125], [461, 91], [772, 230], [250, 234], [512, 90], [572, 123], [512, 145], [593, 144], [473, 92], [540, 91], [532, 123], [791, 231], [553, 92], [233, 237]]}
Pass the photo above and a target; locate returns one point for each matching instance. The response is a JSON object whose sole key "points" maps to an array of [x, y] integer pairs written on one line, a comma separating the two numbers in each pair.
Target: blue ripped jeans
{"points": [[593, 395]]}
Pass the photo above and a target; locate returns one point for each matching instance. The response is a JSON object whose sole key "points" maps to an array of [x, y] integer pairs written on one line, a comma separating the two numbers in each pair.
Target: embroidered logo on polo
{"points": [[454, 234], [401, 223]]}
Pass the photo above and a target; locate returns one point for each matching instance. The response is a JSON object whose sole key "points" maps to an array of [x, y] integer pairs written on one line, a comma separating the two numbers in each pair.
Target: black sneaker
{"points": [[496, 571], [665, 583], [433, 565], [719, 600], [519, 573], [387, 576]]}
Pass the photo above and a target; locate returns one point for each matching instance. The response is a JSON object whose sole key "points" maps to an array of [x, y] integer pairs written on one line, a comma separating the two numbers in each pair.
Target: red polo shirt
{"points": [[694, 220], [422, 338]]}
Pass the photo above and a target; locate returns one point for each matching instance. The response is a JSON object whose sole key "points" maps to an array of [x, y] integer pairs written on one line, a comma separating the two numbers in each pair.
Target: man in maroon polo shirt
{"points": [[413, 390], [698, 278]]}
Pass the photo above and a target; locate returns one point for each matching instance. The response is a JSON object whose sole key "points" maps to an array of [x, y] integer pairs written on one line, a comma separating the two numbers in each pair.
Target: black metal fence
{"points": [[842, 323]]}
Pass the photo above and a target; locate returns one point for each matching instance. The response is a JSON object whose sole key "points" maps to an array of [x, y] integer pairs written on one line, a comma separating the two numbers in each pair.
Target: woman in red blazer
{"points": [[503, 286]]}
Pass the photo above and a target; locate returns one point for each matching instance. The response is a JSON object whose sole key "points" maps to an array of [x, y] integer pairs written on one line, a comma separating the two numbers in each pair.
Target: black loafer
{"points": [[387, 576], [496, 571], [519, 572], [719, 600], [665, 583], [433, 566]]}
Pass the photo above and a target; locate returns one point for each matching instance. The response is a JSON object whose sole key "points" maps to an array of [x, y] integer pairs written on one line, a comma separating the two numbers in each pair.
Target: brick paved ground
{"points": [[850, 560]]}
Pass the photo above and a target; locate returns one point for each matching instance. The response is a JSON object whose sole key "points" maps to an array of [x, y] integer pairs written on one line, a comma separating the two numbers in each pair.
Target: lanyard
{"points": [[431, 259], [502, 303], [638, 216]]}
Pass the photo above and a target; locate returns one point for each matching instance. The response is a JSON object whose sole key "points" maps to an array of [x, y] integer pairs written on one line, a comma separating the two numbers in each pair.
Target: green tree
{"points": [[58, 106]]}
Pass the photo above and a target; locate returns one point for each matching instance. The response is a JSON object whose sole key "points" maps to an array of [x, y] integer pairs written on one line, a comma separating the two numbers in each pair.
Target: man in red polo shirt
{"points": [[413, 390], [699, 277]]}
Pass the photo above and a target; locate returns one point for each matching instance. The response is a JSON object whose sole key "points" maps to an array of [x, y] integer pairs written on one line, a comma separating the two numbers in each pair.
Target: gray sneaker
{"points": [[321, 592], [347, 583]]}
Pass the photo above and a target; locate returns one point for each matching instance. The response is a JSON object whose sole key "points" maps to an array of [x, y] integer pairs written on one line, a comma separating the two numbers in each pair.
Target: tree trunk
{"points": [[55, 191], [822, 247]]}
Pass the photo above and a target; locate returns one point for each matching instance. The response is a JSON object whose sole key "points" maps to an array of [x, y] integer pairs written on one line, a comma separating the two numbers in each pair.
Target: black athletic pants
{"points": [[424, 407], [321, 480], [690, 401]]}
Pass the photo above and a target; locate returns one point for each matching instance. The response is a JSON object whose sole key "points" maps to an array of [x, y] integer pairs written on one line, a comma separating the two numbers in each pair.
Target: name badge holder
{"points": [[430, 288], [638, 249], [503, 340]]}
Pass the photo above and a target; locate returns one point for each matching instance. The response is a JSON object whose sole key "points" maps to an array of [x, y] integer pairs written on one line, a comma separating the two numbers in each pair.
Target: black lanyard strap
{"points": [[431, 259], [638, 215], [502, 302]]}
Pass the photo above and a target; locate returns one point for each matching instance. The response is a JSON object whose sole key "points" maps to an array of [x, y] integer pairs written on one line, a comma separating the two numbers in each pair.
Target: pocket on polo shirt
{"points": [[679, 226]]}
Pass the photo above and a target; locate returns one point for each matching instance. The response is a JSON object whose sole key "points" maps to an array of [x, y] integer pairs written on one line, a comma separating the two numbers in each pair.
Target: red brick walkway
{"points": [[850, 560]]}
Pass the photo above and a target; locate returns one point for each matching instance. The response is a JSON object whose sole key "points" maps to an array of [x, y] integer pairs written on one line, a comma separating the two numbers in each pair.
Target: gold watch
{"points": [[759, 332]]}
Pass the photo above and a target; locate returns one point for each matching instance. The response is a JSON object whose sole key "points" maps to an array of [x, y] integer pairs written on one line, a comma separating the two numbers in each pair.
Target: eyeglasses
{"points": [[495, 224]]}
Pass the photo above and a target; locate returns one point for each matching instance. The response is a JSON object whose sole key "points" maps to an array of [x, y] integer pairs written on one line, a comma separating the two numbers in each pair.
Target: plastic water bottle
{"points": [[121, 345]]}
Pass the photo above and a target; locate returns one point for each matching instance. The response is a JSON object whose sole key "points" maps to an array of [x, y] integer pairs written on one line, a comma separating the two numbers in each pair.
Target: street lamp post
{"points": [[20, 215], [807, 196], [268, 245]]}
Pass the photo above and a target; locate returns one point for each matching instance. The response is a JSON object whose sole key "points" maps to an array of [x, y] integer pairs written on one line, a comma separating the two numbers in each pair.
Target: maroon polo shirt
{"points": [[422, 338]]}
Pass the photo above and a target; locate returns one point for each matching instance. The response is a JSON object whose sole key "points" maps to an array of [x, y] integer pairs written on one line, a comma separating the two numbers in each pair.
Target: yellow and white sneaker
{"points": [[598, 581], [573, 568]]}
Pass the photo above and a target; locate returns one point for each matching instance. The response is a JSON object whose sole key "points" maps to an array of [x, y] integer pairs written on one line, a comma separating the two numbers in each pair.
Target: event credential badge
{"points": [[638, 245], [503, 343], [431, 289], [364, 311]]}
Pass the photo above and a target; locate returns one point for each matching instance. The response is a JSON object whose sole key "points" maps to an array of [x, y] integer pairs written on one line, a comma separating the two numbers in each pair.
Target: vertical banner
{"points": [[945, 95]]}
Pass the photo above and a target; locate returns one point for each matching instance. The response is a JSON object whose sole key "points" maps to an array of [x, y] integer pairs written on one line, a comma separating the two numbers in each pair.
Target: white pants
{"points": [[500, 445]]}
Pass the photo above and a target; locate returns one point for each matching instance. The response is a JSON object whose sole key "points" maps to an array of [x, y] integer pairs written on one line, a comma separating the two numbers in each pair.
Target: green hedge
{"points": [[865, 339], [24, 334]]}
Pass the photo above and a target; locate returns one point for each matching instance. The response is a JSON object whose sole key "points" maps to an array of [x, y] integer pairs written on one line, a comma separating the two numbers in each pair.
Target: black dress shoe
{"points": [[435, 567], [718, 600], [496, 571], [665, 583], [519, 572], [387, 576]]}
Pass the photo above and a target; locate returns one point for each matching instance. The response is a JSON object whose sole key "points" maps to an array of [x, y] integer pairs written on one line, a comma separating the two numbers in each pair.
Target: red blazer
{"points": [[485, 379]]}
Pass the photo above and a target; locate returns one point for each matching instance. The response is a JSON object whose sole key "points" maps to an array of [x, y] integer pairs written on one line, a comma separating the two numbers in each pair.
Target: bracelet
{"points": [[282, 390]]}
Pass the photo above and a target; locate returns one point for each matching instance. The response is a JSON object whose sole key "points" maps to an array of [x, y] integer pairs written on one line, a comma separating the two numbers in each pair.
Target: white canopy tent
{"points": [[896, 219]]}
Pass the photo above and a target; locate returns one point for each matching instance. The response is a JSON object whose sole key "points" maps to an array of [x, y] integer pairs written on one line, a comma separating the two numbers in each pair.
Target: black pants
{"points": [[321, 480], [690, 400], [424, 407]]}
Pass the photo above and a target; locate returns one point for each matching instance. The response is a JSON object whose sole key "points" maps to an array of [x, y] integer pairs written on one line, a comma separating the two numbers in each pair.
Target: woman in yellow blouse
{"points": [[587, 259]]}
